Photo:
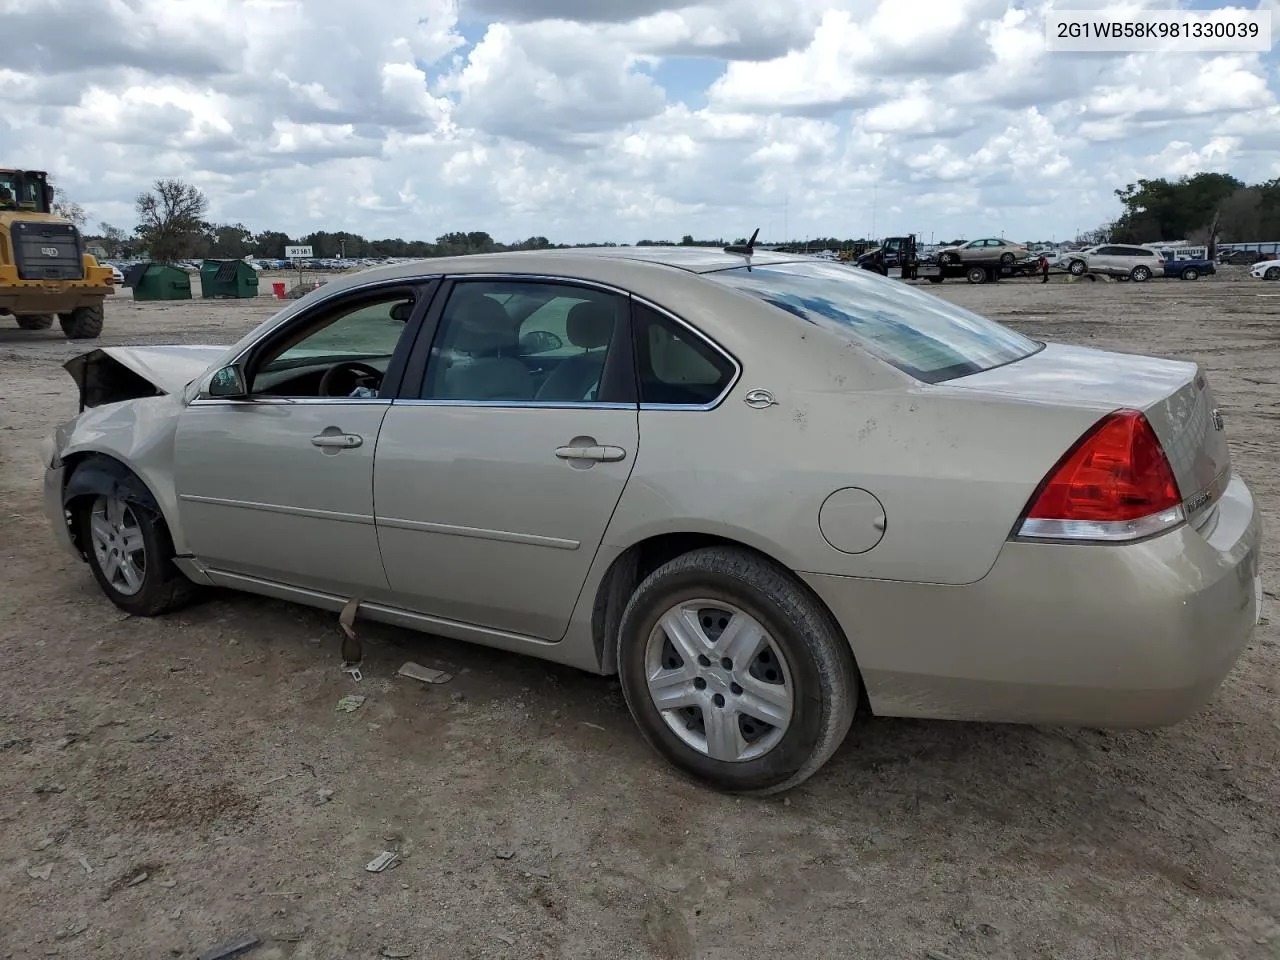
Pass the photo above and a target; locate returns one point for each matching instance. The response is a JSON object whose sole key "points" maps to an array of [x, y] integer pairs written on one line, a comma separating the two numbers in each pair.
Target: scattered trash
{"points": [[168, 884], [594, 726], [508, 940], [457, 697], [140, 878], [69, 932], [40, 873], [231, 949], [290, 937], [50, 788], [382, 861], [324, 795], [19, 743], [352, 652], [542, 873], [505, 854], [937, 955], [84, 862], [350, 704], [69, 739], [397, 953], [45, 844], [416, 671], [155, 736]]}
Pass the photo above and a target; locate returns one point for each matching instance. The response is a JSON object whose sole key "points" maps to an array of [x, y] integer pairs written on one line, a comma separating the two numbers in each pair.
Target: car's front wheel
{"points": [[1272, 273], [1077, 268], [734, 672], [129, 551]]}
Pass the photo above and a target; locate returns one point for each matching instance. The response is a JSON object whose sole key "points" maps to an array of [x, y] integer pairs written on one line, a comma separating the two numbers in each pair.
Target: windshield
{"points": [[920, 334]]}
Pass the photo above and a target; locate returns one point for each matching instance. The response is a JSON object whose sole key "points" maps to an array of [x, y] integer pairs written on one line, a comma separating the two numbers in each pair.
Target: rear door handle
{"points": [[596, 454], [341, 441]]}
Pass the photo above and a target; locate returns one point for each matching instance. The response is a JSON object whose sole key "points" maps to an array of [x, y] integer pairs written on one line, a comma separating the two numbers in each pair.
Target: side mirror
{"points": [[539, 341], [228, 382]]}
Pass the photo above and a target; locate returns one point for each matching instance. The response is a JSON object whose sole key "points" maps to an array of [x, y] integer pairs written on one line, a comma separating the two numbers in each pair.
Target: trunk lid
{"points": [[1173, 394]]}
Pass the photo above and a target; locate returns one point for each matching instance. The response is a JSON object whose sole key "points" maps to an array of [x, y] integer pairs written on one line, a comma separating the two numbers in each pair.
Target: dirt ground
{"points": [[168, 785]]}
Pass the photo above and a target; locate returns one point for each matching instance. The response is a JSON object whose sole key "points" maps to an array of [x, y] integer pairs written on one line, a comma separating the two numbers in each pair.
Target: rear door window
{"points": [[922, 335]]}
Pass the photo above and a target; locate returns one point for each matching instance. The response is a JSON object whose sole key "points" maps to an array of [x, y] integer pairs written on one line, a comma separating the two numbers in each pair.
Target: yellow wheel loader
{"points": [[44, 271]]}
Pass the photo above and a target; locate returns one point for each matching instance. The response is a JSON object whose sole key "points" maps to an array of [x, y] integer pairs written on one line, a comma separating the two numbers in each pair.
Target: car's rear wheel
{"points": [[1272, 273], [734, 672], [1191, 273], [1140, 274], [131, 555], [35, 321]]}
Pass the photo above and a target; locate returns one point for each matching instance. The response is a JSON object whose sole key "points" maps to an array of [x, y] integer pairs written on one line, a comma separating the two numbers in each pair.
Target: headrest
{"points": [[589, 325], [482, 326]]}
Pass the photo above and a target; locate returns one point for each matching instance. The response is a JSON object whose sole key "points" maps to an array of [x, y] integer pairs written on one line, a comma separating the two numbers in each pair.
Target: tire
{"points": [[803, 658], [136, 532], [1077, 268], [1140, 274], [35, 321], [82, 323], [949, 258], [1006, 259], [1271, 273], [1191, 273], [976, 275], [934, 279]]}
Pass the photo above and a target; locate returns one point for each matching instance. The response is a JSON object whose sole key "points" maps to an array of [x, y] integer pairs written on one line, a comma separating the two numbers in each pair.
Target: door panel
{"points": [[481, 521], [258, 496]]}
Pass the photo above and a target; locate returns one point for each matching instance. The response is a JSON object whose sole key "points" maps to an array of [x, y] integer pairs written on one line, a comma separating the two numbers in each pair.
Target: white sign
{"points": [[297, 253]]}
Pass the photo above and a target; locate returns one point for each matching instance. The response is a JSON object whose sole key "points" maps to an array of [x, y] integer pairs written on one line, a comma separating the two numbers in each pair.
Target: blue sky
{"points": [[591, 120]]}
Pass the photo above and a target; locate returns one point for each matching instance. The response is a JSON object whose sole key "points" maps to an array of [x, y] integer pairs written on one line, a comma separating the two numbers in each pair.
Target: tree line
{"points": [[1208, 208], [173, 225]]}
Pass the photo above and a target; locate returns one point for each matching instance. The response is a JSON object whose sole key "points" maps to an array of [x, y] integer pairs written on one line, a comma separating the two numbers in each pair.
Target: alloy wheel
{"points": [[118, 544]]}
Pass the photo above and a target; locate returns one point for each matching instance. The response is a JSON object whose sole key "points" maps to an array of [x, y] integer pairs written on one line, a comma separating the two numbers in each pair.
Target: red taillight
{"points": [[1115, 484]]}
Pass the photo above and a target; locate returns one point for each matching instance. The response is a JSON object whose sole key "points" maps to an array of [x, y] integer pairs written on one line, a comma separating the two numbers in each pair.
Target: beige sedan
{"points": [[989, 250], [764, 490]]}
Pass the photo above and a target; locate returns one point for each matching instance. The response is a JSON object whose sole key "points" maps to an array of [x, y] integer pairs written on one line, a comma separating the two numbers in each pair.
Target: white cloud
{"points": [[609, 119]]}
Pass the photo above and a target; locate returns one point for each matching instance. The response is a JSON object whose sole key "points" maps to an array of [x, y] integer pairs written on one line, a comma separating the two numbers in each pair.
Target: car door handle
{"points": [[597, 454], [342, 441]]}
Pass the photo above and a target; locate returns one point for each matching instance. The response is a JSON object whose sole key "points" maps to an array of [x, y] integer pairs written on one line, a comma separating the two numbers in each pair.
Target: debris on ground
{"points": [[350, 704], [155, 736], [382, 861], [352, 651], [50, 788], [40, 873], [505, 854], [140, 878], [397, 953], [416, 671], [232, 948], [324, 795], [84, 862]]}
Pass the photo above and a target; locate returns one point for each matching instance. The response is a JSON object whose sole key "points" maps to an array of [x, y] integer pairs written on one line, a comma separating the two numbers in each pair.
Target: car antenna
{"points": [[746, 249]]}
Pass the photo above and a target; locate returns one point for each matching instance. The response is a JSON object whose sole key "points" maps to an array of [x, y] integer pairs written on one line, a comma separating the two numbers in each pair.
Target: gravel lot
{"points": [[203, 753]]}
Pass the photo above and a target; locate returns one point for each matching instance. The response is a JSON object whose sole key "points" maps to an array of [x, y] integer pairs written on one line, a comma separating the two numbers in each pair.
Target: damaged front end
{"points": [[113, 374]]}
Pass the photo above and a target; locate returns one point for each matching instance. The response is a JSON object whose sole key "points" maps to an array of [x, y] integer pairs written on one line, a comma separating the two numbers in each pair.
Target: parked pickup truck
{"points": [[1188, 269]]}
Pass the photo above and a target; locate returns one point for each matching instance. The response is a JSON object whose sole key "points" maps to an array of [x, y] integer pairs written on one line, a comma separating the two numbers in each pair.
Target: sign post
{"points": [[297, 254]]}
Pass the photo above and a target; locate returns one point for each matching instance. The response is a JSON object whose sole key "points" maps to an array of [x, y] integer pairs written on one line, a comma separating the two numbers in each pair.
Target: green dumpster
{"points": [[158, 281], [228, 278]]}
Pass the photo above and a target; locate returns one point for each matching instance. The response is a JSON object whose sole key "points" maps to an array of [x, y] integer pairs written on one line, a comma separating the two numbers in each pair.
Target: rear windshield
{"points": [[920, 334]]}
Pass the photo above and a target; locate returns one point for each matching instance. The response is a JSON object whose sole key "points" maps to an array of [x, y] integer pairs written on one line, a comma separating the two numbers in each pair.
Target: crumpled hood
{"points": [[112, 374]]}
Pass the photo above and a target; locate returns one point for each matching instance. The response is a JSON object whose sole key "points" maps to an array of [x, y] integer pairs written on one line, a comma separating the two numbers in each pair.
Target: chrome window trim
{"points": [[516, 404], [609, 288], [290, 401]]}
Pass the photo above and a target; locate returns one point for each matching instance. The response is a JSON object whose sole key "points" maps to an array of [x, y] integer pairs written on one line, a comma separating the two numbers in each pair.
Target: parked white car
{"points": [[1129, 262], [1266, 270]]}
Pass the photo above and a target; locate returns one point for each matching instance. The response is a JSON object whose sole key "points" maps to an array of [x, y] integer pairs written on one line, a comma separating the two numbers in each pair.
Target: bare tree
{"points": [[65, 207], [171, 219], [114, 239]]}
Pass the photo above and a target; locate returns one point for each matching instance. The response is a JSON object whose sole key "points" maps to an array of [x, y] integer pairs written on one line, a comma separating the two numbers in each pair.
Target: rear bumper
{"points": [[35, 298], [1111, 636]]}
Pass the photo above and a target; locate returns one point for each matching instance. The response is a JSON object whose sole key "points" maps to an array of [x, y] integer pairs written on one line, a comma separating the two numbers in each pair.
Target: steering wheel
{"points": [[360, 374]]}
